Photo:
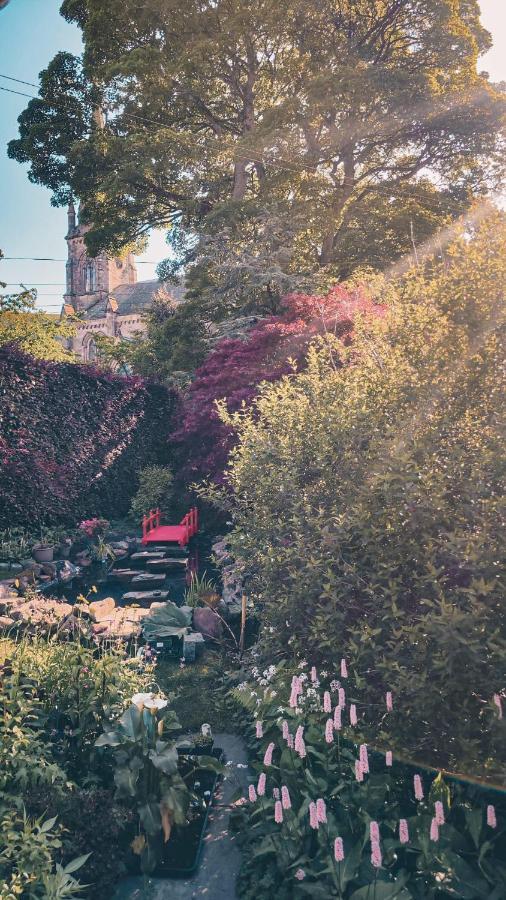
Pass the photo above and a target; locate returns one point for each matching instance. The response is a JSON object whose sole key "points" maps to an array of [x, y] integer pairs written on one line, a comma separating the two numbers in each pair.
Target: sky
{"points": [[31, 33]]}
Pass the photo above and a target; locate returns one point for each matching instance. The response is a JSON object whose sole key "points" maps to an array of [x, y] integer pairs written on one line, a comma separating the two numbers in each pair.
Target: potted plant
{"points": [[43, 551], [203, 741]]}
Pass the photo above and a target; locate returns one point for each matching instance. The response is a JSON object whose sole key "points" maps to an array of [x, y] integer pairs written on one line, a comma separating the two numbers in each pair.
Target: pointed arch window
{"points": [[90, 277]]}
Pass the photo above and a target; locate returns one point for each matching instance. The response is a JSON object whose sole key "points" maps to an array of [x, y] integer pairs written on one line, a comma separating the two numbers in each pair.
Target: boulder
{"points": [[101, 609], [41, 612], [6, 588], [6, 622], [207, 622]]}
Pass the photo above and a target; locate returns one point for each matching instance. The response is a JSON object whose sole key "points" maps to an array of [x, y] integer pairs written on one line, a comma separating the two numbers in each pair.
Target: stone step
{"points": [[143, 597], [166, 565], [148, 578]]}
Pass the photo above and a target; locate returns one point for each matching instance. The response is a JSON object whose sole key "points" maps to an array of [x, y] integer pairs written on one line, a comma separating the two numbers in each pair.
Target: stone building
{"points": [[106, 293]]}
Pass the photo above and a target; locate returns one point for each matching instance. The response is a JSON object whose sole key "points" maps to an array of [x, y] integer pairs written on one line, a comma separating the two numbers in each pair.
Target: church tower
{"points": [[91, 279]]}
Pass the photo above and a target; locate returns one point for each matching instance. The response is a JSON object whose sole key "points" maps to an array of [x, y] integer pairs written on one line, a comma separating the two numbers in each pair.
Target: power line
{"points": [[138, 262], [34, 284], [19, 80]]}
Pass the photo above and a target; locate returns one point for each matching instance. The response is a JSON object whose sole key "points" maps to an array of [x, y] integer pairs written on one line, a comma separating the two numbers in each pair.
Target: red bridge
{"points": [[154, 533]]}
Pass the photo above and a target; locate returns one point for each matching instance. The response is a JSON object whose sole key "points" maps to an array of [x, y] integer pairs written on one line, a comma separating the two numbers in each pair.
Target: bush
{"points": [[73, 439], [401, 832], [366, 502], [155, 491]]}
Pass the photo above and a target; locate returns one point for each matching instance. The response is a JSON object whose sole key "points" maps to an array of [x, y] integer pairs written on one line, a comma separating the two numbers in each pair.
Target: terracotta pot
{"points": [[43, 553]]}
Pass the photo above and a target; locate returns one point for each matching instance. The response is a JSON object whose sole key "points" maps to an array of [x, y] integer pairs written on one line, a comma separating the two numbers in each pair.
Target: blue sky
{"points": [[31, 32]]}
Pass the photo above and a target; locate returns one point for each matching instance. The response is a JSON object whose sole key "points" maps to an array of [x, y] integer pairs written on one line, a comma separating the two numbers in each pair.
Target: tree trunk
{"points": [[338, 207]]}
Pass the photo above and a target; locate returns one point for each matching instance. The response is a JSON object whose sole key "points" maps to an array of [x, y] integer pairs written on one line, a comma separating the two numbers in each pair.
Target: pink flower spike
{"points": [[439, 813], [389, 701], [434, 831], [285, 798], [314, 676], [278, 812], [344, 669], [353, 714], [252, 793], [364, 759], [376, 858], [300, 874], [417, 781], [341, 698], [337, 718], [327, 702], [259, 730], [403, 831], [329, 731], [491, 817], [388, 758], [261, 784], [374, 832], [321, 811], [268, 755], [313, 816], [286, 730], [498, 703], [338, 849], [359, 775]]}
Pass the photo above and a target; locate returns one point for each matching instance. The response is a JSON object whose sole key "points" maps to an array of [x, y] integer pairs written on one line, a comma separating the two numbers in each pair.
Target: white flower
{"points": [[303, 663], [156, 703], [242, 686], [334, 686], [141, 699], [324, 674]]}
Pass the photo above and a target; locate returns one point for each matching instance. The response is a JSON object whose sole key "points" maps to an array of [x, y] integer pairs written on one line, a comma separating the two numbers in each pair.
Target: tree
{"points": [[35, 332], [366, 505], [264, 134]]}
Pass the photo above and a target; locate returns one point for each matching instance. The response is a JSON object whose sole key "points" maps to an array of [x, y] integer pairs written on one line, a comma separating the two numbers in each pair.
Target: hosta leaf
{"points": [[150, 816]]}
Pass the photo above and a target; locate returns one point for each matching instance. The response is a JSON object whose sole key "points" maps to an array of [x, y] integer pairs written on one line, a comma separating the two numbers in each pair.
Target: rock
{"points": [[41, 612], [120, 545], [207, 622], [48, 568], [101, 609], [6, 588], [192, 643], [6, 622]]}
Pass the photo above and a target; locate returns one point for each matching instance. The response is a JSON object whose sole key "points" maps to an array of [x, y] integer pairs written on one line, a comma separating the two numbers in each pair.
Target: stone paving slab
{"points": [[219, 865]]}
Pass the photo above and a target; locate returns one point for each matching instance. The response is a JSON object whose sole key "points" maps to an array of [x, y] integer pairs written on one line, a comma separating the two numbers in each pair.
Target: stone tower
{"points": [[90, 279]]}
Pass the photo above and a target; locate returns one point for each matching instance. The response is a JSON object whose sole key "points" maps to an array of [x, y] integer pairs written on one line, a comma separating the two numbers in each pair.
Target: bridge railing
{"points": [[150, 521]]}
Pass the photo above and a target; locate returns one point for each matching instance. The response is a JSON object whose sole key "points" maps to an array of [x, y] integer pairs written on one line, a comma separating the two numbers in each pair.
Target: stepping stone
{"points": [[125, 574], [145, 596], [166, 565], [146, 555], [149, 579]]}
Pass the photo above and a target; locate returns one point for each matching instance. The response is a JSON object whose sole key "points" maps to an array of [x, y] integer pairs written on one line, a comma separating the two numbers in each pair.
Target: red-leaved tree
{"points": [[235, 368]]}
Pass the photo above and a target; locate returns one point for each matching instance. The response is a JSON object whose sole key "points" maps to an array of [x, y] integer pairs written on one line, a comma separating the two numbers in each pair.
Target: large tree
{"points": [[267, 133]]}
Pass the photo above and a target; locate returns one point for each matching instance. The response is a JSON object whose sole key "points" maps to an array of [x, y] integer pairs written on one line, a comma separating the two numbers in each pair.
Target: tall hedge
{"points": [[72, 439]]}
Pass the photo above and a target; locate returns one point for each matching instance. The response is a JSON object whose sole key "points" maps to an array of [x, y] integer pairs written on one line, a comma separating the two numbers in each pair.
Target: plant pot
{"points": [[43, 553]]}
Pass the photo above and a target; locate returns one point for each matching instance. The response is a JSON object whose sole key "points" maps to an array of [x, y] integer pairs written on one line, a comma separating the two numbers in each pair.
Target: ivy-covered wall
{"points": [[72, 439]]}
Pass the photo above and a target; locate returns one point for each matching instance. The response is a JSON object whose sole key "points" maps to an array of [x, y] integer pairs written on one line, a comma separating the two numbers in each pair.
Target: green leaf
{"points": [[381, 890], [464, 879], [166, 760], [474, 820], [125, 780], [149, 814], [76, 863], [48, 824], [109, 739], [131, 722]]}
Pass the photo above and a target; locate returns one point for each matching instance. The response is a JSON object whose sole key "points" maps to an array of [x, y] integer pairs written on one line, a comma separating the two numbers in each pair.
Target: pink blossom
{"points": [[388, 758], [417, 781], [439, 814], [278, 812], [364, 759], [329, 731], [341, 698], [321, 811], [289, 741], [285, 798], [313, 816], [327, 702], [338, 849], [259, 730], [275, 793], [376, 858], [374, 831], [389, 701], [286, 730], [252, 793], [403, 831], [300, 874], [353, 714], [498, 703], [344, 669], [337, 718], [261, 784], [491, 816], [314, 676], [300, 746], [434, 831], [359, 775], [268, 755]]}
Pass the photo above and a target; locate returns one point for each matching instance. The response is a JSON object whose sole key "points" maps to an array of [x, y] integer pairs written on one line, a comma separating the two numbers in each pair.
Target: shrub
{"points": [[155, 491], [73, 439], [366, 502], [401, 832]]}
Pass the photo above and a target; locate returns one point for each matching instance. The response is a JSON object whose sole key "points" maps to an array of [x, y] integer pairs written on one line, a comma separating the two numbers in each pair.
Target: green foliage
{"points": [[164, 621], [35, 332], [154, 492], [365, 503], [200, 591], [465, 861]]}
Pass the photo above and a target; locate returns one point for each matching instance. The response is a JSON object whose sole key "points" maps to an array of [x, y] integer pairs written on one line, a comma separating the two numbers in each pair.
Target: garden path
{"points": [[216, 876]]}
